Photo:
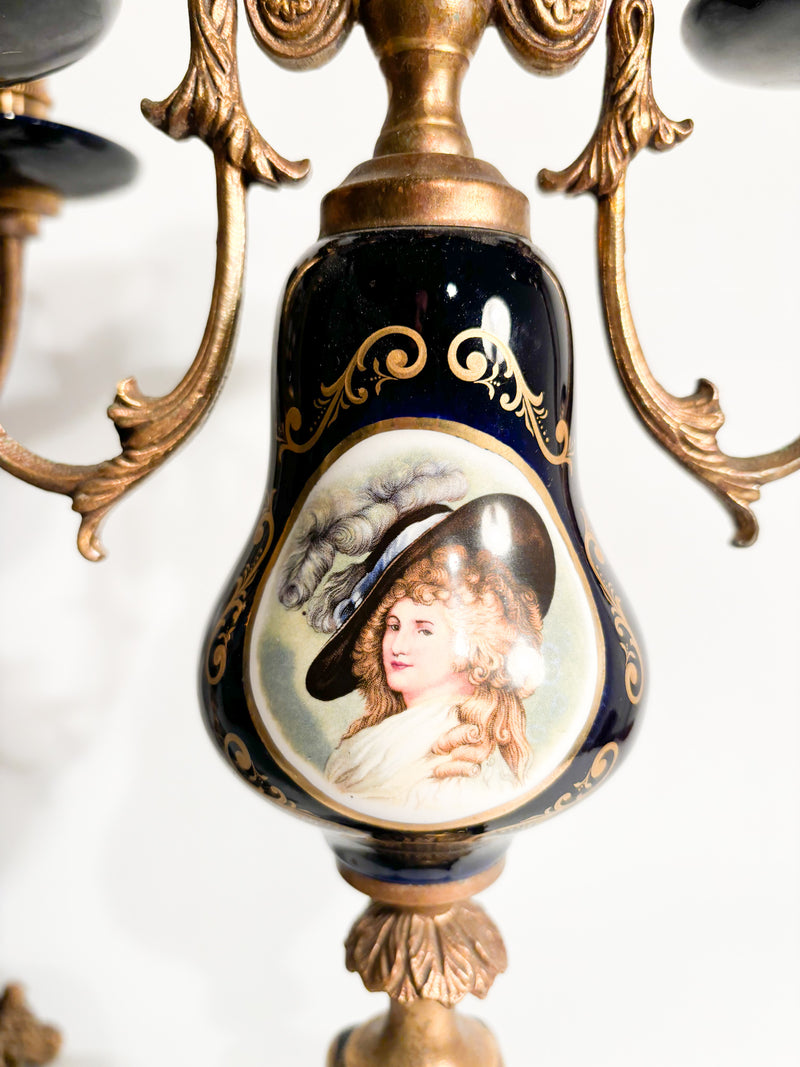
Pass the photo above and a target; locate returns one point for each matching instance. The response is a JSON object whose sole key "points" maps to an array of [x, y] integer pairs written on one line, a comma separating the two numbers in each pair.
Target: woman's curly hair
{"points": [[499, 628]]}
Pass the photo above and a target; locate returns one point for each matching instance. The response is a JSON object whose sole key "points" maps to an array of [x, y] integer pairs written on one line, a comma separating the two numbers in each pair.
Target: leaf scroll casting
{"points": [[208, 102], [630, 119], [208, 105], [686, 426], [435, 954]]}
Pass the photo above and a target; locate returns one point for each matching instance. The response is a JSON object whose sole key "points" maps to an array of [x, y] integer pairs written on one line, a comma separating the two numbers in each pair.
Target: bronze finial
{"points": [[423, 171]]}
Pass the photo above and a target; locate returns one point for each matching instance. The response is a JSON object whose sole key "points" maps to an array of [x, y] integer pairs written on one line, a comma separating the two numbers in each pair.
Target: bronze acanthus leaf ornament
{"points": [[631, 120]]}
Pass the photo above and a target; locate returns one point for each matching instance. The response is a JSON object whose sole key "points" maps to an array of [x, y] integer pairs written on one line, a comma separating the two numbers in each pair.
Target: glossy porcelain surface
{"points": [[423, 646], [40, 36], [751, 41], [70, 161]]}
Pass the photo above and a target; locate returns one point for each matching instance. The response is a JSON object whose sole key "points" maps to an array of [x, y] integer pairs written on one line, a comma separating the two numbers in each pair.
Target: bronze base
{"points": [[423, 1034]]}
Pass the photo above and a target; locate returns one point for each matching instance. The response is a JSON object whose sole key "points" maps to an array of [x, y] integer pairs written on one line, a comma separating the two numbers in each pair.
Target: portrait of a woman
{"points": [[441, 637]]}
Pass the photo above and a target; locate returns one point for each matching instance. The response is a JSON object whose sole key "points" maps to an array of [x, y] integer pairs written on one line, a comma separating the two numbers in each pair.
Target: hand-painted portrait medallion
{"points": [[424, 650]]}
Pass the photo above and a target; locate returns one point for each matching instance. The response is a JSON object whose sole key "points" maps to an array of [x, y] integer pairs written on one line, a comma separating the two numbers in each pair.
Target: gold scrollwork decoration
{"points": [[236, 751], [301, 33], [208, 105], [687, 427], [342, 393], [440, 954], [549, 36], [524, 403], [216, 660], [634, 668], [602, 766]]}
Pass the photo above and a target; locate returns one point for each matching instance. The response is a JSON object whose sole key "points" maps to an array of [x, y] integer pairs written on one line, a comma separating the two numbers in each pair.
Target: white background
{"points": [[163, 913]]}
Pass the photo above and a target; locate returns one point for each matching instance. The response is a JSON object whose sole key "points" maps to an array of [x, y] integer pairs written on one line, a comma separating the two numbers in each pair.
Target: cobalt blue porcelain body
{"points": [[40, 36], [69, 161], [422, 648]]}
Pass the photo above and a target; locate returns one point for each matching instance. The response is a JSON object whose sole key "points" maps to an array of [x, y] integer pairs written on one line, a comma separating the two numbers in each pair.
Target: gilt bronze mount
{"points": [[423, 173], [427, 947]]}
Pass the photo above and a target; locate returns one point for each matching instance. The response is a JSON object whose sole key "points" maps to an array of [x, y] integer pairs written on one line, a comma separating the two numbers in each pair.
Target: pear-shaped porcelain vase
{"points": [[422, 648]]}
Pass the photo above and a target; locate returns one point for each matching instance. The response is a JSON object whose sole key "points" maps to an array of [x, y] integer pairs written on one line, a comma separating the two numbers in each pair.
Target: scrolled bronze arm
{"points": [[207, 104], [631, 120]]}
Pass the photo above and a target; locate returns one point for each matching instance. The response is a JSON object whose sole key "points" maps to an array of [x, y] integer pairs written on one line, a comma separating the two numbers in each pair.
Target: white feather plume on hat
{"points": [[351, 522]]}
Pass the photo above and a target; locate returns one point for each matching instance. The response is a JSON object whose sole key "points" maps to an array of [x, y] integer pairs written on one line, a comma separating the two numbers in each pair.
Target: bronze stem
{"points": [[10, 300]]}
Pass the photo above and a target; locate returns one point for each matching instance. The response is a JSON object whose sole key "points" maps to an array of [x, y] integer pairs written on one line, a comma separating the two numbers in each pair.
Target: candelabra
{"points": [[470, 377]]}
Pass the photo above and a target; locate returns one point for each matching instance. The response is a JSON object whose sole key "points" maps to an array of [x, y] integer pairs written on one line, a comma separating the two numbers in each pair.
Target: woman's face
{"points": [[418, 653]]}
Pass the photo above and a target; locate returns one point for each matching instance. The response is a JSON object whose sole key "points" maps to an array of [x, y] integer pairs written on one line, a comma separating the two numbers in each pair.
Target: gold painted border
{"points": [[485, 441]]}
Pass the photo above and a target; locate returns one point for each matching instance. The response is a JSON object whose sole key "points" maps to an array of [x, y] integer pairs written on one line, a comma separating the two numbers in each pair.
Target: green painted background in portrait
{"points": [[283, 645]]}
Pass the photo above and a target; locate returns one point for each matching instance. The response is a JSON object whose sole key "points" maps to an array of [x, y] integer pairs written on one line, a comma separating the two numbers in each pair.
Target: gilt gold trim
{"points": [[686, 427], [474, 367], [216, 659], [207, 104], [341, 394], [490, 444], [237, 754], [602, 766], [634, 669], [524, 403]]}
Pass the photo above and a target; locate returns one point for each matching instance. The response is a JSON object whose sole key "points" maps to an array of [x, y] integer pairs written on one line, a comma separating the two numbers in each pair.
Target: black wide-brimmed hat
{"points": [[504, 525]]}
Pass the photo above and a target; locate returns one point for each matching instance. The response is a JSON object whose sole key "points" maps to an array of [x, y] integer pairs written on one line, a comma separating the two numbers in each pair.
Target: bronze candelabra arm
{"points": [[207, 104], [686, 426]]}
